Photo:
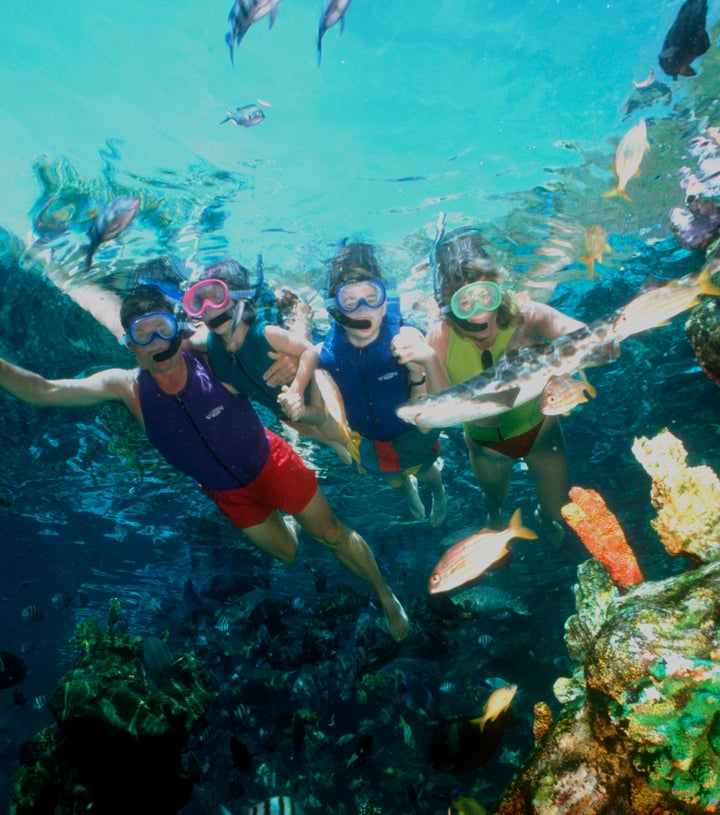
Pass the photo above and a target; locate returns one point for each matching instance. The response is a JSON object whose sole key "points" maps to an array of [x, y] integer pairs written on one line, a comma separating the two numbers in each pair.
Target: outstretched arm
{"points": [[112, 384]]}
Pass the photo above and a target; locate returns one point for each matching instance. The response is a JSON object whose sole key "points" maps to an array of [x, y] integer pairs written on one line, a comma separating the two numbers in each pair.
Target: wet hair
{"points": [[229, 271], [354, 262], [460, 258], [143, 299], [162, 270]]}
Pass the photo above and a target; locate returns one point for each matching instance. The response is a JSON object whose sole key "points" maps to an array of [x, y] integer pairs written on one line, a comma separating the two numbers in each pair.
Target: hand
{"points": [[292, 403], [410, 346], [282, 371]]}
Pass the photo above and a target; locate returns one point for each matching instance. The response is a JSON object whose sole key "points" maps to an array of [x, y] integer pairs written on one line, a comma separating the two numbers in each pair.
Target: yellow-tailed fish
{"points": [[657, 306], [471, 557], [467, 806], [596, 243], [335, 407], [498, 702], [563, 393], [628, 157]]}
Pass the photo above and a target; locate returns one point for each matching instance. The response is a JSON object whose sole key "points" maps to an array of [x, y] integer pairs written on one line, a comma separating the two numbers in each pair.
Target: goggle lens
{"points": [[483, 295], [355, 294], [205, 294], [156, 325]]}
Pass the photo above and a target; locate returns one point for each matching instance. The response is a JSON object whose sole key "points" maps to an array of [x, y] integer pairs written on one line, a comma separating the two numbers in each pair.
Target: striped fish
{"points": [[471, 557], [277, 805], [655, 307], [563, 393]]}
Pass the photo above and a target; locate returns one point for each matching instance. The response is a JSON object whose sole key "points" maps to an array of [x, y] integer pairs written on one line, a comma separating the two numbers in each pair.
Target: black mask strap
{"points": [[170, 351]]}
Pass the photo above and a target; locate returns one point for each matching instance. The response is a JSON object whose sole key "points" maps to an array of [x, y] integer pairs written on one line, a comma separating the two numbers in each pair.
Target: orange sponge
{"points": [[602, 535]]}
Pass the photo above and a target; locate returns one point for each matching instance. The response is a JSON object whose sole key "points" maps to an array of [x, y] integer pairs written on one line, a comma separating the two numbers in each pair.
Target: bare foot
{"points": [[438, 510], [395, 617], [417, 510]]}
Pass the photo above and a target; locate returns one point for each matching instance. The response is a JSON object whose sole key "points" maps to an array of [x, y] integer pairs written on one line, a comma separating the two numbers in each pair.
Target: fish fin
{"points": [[517, 527], [589, 261], [273, 14], [505, 397], [479, 721], [686, 70], [616, 191], [706, 284]]}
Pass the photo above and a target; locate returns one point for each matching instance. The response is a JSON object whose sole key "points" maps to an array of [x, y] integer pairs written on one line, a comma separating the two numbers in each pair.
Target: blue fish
{"points": [[246, 116], [242, 15], [334, 13], [110, 222]]}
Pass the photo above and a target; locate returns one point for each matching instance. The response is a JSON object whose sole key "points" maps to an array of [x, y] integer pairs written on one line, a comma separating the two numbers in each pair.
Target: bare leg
{"points": [[353, 552], [433, 478], [274, 538], [547, 464], [492, 471], [408, 484]]}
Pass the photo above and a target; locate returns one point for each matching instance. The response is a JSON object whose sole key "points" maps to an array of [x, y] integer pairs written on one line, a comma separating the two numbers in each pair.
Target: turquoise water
{"points": [[505, 115]]}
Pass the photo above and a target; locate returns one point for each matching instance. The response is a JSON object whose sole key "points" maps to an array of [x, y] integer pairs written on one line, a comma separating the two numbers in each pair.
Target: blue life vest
{"points": [[371, 380], [205, 431]]}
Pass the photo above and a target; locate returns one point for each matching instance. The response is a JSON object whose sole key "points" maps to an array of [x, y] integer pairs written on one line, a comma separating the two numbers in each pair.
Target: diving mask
{"points": [[148, 327], [482, 295], [211, 293], [357, 293]]}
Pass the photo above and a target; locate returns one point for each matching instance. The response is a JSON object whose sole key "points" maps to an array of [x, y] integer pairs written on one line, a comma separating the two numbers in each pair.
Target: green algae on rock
{"points": [[119, 734]]}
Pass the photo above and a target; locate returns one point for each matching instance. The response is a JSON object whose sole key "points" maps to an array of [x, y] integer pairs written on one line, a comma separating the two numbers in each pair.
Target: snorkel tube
{"points": [[170, 351], [446, 311], [241, 312]]}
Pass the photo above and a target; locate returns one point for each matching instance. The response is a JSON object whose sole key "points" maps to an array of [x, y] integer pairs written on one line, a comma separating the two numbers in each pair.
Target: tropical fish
{"points": [[32, 613], [246, 116], [334, 13], [490, 601], [655, 307], [467, 806], [646, 82], [563, 393], [515, 379], [498, 702], [686, 40], [242, 15], [110, 222], [595, 238], [12, 669], [335, 407], [628, 157], [277, 805], [471, 557]]}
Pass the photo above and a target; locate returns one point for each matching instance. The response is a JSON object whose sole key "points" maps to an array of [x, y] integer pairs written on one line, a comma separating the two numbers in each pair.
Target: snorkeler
{"points": [[479, 322], [214, 436], [361, 353], [245, 327]]}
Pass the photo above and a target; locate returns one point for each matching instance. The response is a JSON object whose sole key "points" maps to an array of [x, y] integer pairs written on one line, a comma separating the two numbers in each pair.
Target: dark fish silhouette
{"points": [[12, 669], [246, 116], [242, 15], [334, 13], [110, 222], [686, 40]]}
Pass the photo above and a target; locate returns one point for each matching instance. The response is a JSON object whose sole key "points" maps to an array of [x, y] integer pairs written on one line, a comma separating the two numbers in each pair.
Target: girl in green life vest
{"points": [[479, 322]]}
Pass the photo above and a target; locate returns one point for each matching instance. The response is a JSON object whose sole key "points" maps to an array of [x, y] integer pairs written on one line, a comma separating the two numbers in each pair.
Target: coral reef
{"points": [[602, 535], [124, 714], [703, 330], [687, 498], [640, 729]]}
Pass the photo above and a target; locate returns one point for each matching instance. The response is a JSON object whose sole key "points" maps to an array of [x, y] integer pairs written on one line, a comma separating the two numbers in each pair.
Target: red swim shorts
{"points": [[285, 483]]}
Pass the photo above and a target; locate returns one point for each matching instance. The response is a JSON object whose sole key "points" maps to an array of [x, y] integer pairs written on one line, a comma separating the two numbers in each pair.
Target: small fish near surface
{"points": [[471, 557], [334, 13], [243, 14], [628, 157], [563, 393], [686, 40], [515, 379], [657, 306], [246, 116], [110, 222], [595, 238]]}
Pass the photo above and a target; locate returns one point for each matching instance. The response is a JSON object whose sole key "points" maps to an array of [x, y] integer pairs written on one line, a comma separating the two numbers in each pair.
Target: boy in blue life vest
{"points": [[378, 364]]}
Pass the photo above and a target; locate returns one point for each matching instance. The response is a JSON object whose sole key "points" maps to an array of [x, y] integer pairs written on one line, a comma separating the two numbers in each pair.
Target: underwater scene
{"points": [[514, 621]]}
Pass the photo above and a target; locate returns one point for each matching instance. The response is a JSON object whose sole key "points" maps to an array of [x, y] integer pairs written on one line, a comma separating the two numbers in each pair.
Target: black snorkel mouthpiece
{"points": [[170, 351], [345, 320]]}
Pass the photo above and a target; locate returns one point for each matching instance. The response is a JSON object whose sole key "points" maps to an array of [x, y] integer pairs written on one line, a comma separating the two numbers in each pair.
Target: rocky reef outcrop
{"points": [[640, 730], [123, 717]]}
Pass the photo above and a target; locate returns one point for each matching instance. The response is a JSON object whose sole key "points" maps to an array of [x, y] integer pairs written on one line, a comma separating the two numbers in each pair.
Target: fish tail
{"points": [[589, 261], [479, 721], [706, 284], [616, 191], [518, 529]]}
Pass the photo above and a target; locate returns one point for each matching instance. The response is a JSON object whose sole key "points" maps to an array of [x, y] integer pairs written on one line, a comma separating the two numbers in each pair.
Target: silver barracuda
{"points": [[516, 378]]}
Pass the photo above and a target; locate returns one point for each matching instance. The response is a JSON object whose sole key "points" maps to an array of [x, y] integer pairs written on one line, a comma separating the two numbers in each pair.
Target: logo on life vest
{"points": [[215, 412], [389, 375]]}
